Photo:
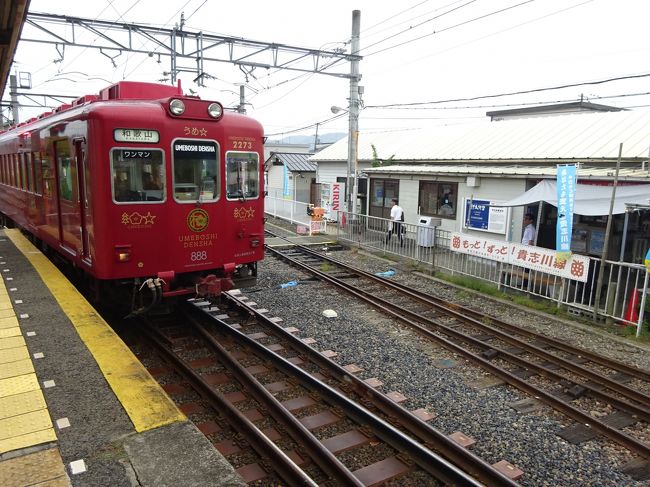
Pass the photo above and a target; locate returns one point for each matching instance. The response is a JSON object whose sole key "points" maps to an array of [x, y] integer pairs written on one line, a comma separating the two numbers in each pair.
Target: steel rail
{"points": [[426, 459], [445, 307], [424, 298], [629, 442], [314, 448], [283, 465], [454, 452]]}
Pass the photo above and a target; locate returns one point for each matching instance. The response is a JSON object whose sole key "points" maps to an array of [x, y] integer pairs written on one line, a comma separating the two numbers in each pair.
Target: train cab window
{"points": [[196, 170], [138, 175], [242, 175]]}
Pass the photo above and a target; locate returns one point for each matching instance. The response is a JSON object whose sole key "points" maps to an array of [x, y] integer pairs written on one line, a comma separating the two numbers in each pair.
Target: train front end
{"points": [[186, 197]]}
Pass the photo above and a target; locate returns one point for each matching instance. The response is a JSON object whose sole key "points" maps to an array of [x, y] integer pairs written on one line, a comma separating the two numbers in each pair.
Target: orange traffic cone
{"points": [[631, 312]]}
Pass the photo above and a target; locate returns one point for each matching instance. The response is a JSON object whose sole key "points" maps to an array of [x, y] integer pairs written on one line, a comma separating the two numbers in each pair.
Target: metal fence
{"points": [[622, 297], [294, 212]]}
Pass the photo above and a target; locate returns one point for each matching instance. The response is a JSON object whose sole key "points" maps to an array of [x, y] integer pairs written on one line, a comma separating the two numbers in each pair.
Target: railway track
{"points": [[318, 412], [571, 380]]}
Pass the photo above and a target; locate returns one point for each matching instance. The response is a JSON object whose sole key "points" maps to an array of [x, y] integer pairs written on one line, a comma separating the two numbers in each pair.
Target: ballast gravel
{"points": [[434, 378]]}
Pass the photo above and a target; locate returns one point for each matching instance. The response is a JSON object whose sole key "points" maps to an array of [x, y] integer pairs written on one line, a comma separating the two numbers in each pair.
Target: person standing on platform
{"points": [[396, 219], [529, 230]]}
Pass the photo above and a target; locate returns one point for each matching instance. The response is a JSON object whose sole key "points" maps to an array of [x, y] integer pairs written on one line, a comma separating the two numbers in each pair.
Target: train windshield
{"points": [[242, 175], [196, 175], [138, 175]]}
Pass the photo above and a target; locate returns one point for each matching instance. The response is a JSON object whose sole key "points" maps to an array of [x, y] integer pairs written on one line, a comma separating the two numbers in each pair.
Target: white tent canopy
{"points": [[589, 199]]}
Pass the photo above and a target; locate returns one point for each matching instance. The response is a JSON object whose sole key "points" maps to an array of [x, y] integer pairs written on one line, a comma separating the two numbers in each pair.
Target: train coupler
{"points": [[211, 286]]}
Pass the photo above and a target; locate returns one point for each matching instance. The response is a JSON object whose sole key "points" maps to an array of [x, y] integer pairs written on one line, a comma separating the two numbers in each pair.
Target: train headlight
{"points": [[122, 253], [215, 110], [177, 107]]}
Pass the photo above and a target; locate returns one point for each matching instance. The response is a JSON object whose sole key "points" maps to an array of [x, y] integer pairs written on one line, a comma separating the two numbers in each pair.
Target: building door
{"points": [[381, 192], [314, 192]]}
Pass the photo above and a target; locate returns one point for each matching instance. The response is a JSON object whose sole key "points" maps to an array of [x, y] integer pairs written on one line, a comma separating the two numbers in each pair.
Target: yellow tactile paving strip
{"points": [[145, 402], [24, 419], [44, 468]]}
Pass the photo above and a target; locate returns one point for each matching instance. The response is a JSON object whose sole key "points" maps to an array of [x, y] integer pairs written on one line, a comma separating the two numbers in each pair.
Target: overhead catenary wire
{"points": [[511, 93], [481, 17]]}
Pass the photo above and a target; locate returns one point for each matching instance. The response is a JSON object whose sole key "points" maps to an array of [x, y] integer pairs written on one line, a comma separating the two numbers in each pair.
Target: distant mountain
{"points": [[306, 139]]}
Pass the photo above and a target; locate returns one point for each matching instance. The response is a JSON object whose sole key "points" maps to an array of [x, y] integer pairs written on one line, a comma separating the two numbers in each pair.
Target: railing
{"points": [[622, 298], [294, 212]]}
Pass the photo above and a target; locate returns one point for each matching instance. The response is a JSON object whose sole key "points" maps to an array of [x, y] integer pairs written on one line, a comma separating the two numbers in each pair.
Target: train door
{"points": [[82, 195], [67, 197]]}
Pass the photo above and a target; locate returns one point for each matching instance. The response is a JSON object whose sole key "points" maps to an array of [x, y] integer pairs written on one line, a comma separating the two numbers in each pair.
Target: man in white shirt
{"points": [[529, 230], [396, 219]]}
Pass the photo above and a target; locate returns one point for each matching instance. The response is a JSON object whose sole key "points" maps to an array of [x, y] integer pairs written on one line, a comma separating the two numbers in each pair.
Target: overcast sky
{"points": [[414, 52]]}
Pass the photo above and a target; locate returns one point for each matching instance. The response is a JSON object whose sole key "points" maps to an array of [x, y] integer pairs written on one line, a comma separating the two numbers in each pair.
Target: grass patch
{"points": [[490, 289], [630, 332]]}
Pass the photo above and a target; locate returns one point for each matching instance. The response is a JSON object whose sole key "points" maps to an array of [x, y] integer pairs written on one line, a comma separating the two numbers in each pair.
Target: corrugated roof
{"points": [[625, 174], [295, 162], [568, 138]]}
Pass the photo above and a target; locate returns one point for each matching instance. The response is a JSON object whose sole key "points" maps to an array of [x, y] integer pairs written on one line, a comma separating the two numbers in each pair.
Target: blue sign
{"points": [[478, 216], [286, 191], [566, 189]]}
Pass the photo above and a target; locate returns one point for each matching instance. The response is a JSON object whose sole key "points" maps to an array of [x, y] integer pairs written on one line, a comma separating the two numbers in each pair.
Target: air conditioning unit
{"points": [[473, 181]]}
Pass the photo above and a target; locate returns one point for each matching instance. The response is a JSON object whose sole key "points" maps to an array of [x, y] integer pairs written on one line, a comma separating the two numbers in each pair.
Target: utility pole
{"points": [[242, 100], [316, 138], [13, 87], [353, 135]]}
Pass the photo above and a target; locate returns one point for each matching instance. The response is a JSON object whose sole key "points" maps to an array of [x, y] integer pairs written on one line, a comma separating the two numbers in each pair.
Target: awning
{"points": [[589, 199]]}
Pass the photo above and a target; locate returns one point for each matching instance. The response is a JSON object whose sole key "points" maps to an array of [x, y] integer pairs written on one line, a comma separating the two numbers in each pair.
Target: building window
{"points": [[381, 192], [438, 199]]}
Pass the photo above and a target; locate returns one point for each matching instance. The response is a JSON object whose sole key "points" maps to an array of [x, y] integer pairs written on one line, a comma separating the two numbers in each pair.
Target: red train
{"points": [[141, 186]]}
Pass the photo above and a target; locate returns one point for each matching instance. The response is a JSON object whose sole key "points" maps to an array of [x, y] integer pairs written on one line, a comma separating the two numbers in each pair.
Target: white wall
{"points": [[494, 188], [490, 188], [276, 182], [302, 184]]}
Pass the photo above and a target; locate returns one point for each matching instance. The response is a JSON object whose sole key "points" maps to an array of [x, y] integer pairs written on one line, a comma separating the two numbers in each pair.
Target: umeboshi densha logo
{"points": [[197, 220]]}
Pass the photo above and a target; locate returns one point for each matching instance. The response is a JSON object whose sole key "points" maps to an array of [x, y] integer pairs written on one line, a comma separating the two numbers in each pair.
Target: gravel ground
{"points": [[434, 378]]}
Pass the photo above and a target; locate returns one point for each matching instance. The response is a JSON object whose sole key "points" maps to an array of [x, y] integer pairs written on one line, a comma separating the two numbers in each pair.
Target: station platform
{"points": [[76, 406]]}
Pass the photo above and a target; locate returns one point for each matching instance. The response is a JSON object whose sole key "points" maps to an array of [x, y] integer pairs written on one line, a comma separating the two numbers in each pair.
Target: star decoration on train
{"points": [[136, 218], [148, 219]]}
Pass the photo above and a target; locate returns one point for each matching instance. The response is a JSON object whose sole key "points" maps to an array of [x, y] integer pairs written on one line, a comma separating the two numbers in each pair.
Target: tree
{"points": [[377, 161]]}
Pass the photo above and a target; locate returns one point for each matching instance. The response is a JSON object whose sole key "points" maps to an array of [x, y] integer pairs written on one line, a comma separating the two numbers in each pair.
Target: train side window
{"points": [[38, 176], [66, 176], [14, 171], [23, 171], [48, 177], [196, 170], [138, 175], [242, 175], [29, 165]]}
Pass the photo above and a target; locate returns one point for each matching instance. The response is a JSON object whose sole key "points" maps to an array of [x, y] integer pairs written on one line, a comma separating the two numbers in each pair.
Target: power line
{"points": [[504, 105], [450, 27], [419, 25], [522, 92], [335, 117]]}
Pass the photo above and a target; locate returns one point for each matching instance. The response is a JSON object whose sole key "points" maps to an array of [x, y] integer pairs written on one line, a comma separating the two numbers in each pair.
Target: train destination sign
{"points": [[136, 135]]}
